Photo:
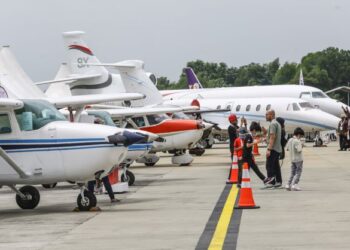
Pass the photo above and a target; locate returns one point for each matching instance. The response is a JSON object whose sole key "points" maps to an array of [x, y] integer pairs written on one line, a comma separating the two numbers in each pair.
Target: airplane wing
{"points": [[8, 103], [342, 88], [69, 79], [81, 100], [128, 112]]}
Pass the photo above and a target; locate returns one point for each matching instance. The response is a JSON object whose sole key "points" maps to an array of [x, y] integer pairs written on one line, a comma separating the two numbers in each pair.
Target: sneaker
{"points": [[278, 184], [238, 185], [288, 187], [269, 180], [296, 188], [115, 200]]}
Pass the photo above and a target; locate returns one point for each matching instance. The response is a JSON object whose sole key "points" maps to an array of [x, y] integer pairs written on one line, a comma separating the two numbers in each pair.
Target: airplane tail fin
{"points": [[79, 60], [136, 79], [192, 80]]}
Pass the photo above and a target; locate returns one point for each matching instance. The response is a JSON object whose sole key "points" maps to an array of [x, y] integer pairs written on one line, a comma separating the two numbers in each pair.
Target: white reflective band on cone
{"points": [[234, 165], [245, 184], [245, 173]]}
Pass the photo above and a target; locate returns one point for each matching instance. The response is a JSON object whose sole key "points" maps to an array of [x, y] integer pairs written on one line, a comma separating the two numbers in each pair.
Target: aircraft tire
{"points": [[150, 164], [129, 177], [48, 186], [89, 201], [33, 197]]}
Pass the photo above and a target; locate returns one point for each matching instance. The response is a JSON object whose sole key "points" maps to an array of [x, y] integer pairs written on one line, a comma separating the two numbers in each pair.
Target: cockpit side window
{"points": [[305, 105], [35, 114], [305, 95], [318, 94], [155, 119], [139, 121], [5, 125]]}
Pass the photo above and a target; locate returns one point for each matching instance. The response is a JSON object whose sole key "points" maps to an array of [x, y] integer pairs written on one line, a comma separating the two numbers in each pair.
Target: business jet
{"points": [[314, 96], [179, 134], [38, 145], [296, 112]]}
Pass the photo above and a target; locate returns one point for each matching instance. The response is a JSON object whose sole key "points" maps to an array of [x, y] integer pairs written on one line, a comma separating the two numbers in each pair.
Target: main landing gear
{"points": [[149, 160], [127, 175], [181, 158], [28, 197]]}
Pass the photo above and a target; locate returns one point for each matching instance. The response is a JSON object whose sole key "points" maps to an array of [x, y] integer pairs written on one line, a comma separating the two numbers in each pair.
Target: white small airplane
{"points": [[179, 135], [18, 84], [312, 95], [38, 145]]}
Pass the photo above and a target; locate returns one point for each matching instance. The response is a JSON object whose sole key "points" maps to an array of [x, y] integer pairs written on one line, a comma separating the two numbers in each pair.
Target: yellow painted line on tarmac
{"points": [[217, 242]]}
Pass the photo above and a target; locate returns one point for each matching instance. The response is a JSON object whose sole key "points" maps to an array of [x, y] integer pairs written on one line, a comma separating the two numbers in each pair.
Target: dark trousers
{"points": [[273, 167], [252, 165], [342, 142], [108, 187]]}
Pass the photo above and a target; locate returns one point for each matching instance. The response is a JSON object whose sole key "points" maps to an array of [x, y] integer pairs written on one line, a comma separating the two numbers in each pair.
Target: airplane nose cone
{"points": [[127, 138]]}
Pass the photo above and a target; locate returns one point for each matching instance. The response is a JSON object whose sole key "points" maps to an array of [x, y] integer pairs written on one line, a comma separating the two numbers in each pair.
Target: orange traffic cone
{"points": [[114, 176], [256, 150], [246, 199], [233, 178]]}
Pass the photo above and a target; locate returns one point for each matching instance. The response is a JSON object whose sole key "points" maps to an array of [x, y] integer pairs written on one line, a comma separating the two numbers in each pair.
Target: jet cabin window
{"points": [[238, 108], [36, 114], [5, 126], [139, 121], [258, 107], [305, 105], [268, 107], [247, 108], [318, 94], [295, 107]]}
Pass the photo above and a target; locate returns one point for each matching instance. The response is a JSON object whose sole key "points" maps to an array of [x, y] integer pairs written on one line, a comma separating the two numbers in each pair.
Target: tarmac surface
{"points": [[173, 207]]}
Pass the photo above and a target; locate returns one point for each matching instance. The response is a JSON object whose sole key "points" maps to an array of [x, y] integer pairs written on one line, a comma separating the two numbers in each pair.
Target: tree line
{"points": [[326, 69]]}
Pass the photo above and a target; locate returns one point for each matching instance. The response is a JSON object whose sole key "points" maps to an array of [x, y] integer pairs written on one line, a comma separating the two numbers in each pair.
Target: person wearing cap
{"points": [[232, 132], [238, 148]]}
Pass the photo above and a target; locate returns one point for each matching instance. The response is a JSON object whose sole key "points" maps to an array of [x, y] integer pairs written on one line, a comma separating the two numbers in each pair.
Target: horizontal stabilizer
{"points": [[70, 79], [82, 100]]}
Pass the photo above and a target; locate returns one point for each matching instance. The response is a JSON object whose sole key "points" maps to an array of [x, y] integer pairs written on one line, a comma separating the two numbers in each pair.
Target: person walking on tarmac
{"points": [[342, 132], [274, 149], [232, 132], [238, 149], [247, 156]]}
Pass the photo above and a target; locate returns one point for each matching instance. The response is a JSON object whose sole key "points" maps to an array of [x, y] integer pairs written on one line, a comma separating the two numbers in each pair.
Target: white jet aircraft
{"points": [[296, 112], [312, 95], [38, 145]]}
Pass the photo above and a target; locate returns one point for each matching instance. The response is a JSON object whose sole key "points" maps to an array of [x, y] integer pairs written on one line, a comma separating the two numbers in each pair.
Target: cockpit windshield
{"points": [[306, 105], [156, 119], [318, 94], [37, 113]]}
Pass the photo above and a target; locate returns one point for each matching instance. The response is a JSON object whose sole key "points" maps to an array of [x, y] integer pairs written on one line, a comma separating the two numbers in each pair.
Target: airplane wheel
{"points": [[185, 164], [150, 164], [32, 197], [88, 202], [129, 177], [48, 186]]}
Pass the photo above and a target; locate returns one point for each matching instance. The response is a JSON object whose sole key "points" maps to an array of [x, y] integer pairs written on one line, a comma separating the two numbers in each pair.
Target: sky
{"points": [[166, 34]]}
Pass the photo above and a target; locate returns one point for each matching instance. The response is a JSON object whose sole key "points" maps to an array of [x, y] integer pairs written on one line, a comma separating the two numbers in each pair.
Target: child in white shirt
{"points": [[295, 148]]}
